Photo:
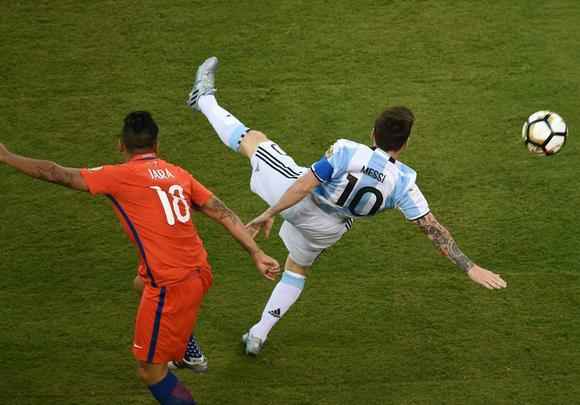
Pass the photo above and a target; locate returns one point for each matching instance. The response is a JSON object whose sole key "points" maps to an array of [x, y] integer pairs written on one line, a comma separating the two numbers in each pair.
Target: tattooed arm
{"points": [[443, 240], [44, 170], [217, 210]]}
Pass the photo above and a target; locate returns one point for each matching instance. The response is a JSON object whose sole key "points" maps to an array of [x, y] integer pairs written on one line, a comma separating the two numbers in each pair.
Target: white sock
{"points": [[229, 128], [285, 294]]}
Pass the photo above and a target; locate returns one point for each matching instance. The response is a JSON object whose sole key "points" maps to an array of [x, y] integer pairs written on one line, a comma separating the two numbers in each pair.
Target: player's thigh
{"points": [[151, 373], [165, 319], [303, 248], [273, 172], [188, 297]]}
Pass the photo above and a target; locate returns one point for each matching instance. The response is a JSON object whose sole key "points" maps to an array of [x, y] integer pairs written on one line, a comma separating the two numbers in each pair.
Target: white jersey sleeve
{"points": [[413, 204], [336, 161]]}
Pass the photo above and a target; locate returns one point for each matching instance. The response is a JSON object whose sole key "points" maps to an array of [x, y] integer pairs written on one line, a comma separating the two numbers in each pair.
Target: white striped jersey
{"points": [[357, 181]]}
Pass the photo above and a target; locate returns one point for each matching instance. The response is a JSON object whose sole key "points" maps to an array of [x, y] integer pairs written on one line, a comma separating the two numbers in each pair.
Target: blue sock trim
{"points": [[162, 390], [236, 137], [288, 278]]}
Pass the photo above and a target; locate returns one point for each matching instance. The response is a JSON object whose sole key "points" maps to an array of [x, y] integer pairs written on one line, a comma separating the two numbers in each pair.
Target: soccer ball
{"points": [[544, 133]]}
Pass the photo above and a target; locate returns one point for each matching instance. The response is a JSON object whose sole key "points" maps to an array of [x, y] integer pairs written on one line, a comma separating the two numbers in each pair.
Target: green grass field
{"points": [[383, 319]]}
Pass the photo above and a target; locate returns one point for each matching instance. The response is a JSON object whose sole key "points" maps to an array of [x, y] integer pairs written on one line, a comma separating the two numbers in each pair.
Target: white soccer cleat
{"points": [[195, 364], [252, 344], [204, 83]]}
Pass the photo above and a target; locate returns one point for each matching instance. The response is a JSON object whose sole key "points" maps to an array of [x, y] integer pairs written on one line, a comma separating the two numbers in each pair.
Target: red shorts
{"points": [[166, 318]]}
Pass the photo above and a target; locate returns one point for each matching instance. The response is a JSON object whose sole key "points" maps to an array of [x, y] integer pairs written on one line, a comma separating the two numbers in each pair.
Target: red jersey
{"points": [[153, 200]]}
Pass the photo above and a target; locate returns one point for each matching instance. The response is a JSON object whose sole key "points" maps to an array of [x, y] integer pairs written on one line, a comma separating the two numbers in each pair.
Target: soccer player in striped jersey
{"points": [[154, 201], [319, 204]]}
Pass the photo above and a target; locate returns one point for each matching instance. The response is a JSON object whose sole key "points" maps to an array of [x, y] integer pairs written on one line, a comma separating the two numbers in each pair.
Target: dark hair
{"points": [[139, 131], [393, 128]]}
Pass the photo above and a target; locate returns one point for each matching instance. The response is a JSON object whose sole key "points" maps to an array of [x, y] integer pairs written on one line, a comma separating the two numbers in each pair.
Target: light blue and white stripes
{"points": [[293, 279]]}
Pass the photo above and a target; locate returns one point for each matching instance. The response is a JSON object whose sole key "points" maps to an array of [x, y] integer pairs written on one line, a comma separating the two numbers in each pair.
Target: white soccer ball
{"points": [[544, 133]]}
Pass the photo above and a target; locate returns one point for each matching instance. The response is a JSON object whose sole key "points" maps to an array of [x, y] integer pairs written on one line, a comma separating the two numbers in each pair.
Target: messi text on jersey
{"points": [[375, 174]]}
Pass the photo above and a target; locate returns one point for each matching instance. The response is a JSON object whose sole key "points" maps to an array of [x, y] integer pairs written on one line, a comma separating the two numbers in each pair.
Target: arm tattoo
{"points": [[47, 171], [221, 212], [53, 173], [217, 210], [443, 240]]}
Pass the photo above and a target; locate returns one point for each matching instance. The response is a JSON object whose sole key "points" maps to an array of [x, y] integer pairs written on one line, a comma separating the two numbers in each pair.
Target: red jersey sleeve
{"points": [[101, 180], [199, 194]]}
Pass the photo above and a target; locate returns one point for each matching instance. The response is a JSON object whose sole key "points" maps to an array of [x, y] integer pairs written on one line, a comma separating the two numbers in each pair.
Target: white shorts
{"points": [[307, 230]]}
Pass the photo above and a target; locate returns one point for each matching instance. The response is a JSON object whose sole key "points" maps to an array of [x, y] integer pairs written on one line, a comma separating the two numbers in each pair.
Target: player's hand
{"points": [[486, 278], [264, 221], [268, 266], [3, 152]]}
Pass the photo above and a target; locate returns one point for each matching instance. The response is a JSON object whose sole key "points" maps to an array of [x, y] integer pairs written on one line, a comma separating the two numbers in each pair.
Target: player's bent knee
{"points": [[257, 136], [251, 141], [143, 375], [295, 267], [151, 374]]}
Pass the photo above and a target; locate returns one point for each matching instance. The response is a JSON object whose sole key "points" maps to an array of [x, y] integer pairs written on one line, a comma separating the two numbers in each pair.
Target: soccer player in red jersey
{"points": [[154, 201]]}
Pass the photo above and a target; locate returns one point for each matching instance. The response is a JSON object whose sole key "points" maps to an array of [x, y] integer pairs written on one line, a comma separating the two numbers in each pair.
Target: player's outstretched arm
{"points": [[295, 193], [443, 240], [44, 170], [217, 210]]}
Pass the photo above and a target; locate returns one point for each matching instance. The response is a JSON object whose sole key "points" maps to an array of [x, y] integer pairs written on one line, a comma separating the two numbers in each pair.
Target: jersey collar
{"points": [[143, 156], [385, 154]]}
